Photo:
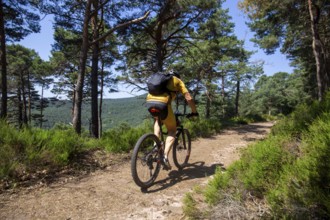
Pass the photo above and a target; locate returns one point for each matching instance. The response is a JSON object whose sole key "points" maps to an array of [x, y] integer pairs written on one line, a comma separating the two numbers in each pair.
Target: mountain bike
{"points": [[148, 153]]}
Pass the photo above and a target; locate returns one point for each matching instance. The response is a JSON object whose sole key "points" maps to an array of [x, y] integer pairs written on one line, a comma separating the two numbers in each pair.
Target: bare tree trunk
{"points": [[4, 97], [319, 53], [81, 72], [223, 94], [82, 63], [25, 118], [208, 99], [20, 108], [237, 97], [29, 98], [101, 99], [208, 105], [94, 76], [42, 105]]}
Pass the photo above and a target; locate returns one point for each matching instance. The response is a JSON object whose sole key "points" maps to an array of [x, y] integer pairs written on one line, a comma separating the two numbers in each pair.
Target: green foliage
{"points": [[304, 189], [17, 27], [32, 147], [202, 127], [124, 137], [240, 120], [219, 182], [61, 145], [115, 112], [190, 206], [273, 95], [291, 173], [301, 118], [261, 164], [8, 149]]}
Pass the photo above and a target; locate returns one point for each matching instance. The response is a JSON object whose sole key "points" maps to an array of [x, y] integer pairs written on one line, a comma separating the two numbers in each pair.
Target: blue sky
{"points": [[277, 62]]}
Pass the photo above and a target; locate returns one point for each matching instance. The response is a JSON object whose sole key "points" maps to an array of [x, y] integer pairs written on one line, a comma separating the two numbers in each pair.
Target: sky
{"points": [[42, 44]]}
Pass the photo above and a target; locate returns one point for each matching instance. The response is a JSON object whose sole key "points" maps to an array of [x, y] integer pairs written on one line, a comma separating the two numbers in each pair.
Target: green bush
{"points": [[124, 137], [290, 169], [305, 187], [61, 145], [32, 147], [219, 182], [262, 164], [12, 149], [257, 170], [240, 120], [301, 118], [202, 127]]}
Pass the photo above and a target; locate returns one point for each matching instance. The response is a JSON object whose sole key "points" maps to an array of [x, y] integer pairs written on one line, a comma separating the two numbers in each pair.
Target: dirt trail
{"points": [[112, 194]]}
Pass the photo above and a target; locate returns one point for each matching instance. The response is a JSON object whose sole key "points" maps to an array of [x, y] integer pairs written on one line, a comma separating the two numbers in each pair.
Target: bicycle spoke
{"points": [[144, 161]]}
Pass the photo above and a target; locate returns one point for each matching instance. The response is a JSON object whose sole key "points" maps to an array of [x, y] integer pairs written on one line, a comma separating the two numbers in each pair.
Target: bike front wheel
{"points": [[182, 149], [145, 162]]}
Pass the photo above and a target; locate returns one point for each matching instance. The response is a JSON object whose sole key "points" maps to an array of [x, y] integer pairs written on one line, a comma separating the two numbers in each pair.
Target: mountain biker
{"points": [[163, 101]]}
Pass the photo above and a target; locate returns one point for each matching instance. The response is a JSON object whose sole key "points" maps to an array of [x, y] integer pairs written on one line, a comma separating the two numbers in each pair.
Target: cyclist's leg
{"points": [[170, 124], [156, 128]]}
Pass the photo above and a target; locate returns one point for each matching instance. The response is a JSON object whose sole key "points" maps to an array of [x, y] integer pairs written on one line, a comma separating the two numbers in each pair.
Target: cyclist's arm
{"points": [[190, 102], [182, 88]]}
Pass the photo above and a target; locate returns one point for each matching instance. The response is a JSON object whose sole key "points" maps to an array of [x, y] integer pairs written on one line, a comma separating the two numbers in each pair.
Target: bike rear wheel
{"points": [[182, 149], [145, 162]]}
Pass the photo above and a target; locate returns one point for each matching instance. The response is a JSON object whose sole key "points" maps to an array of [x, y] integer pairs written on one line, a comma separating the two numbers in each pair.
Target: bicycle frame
{"points": [[151, 158]]}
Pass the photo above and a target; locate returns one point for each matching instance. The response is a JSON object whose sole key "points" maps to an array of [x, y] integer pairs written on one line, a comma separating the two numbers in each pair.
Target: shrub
{"points": [[11, 150], [61, 145], [219, 182], [240, 120], [262, 164], [304, 189], [301, 118], [124, 137], [290, 168], [202, 127], [257, 170]]}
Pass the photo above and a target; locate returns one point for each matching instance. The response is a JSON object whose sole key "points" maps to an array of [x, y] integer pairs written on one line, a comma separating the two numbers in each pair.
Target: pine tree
{"points": [[17, 20]]}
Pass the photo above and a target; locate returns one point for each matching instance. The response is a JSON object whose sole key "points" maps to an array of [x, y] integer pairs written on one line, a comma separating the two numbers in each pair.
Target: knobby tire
{"points": [[145, 164], [182, 149]]}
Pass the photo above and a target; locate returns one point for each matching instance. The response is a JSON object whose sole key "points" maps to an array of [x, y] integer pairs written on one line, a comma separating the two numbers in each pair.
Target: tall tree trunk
{"points": [[29, 98], [208, 105], [238, 85], [319, 53], [81, 72], [4, 96], [94, 76], [208, 99], [223, 94], [101, 98], [42, 105], [25, 118], [159, 54], [20, 108]]}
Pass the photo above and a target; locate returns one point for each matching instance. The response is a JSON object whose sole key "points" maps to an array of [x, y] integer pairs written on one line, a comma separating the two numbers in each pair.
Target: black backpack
{"points": [[157, 83]]}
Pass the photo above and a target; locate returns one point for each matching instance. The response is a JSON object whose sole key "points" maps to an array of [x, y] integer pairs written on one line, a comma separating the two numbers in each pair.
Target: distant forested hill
{"points": [[114, 112]]}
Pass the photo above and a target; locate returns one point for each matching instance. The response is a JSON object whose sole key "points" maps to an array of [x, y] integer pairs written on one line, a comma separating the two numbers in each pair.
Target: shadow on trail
{"points": [[192, 171]]}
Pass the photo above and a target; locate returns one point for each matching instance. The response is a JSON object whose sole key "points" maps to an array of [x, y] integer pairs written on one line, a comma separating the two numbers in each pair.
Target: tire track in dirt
{"points": [[112, 194]]}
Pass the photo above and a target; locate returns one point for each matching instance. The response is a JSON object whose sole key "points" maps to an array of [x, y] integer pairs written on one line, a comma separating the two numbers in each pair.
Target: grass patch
{"points": [[286, 174]]}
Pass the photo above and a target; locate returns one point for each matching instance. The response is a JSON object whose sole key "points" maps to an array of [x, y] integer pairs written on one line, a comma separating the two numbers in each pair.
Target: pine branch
{"points": [[121, 26]]}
